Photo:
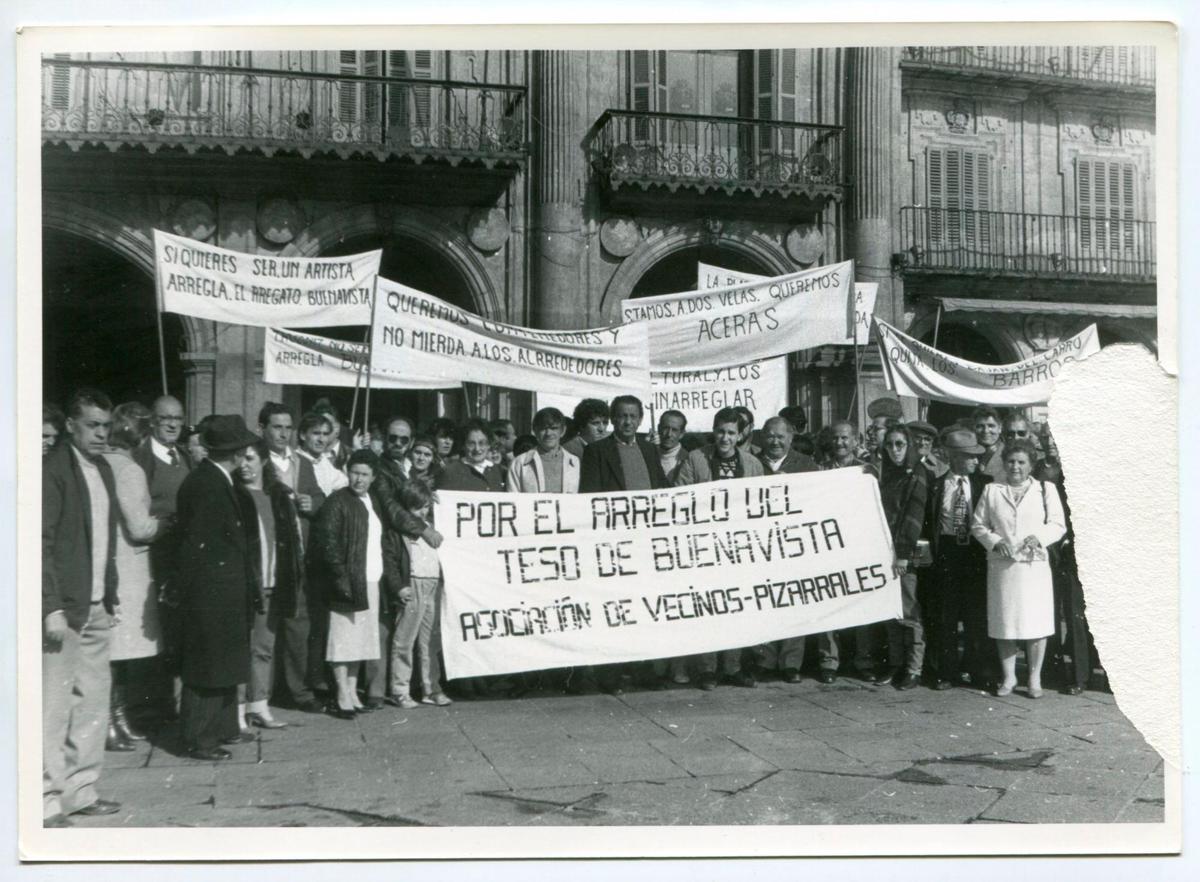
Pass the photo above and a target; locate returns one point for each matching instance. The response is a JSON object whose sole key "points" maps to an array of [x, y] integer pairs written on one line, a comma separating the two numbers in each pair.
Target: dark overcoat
{"points": [[214, 578]]}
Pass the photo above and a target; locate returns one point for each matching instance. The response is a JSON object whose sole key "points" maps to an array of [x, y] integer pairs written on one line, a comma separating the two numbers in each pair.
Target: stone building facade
{"points": [[544, 188]]}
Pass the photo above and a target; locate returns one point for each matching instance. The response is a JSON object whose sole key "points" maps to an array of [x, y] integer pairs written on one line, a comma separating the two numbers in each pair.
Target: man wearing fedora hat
{"points": [[217, 589], [959, 589]]}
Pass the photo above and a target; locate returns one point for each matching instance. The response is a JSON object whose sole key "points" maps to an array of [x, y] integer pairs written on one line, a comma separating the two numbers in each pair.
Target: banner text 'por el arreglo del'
{"points": [[417, 332], [914, 368], [261, 289], [293, 358], [538, 581]]}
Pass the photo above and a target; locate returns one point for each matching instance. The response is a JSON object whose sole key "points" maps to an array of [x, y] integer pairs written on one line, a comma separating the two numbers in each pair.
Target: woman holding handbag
{"points": [[1016, 521]]}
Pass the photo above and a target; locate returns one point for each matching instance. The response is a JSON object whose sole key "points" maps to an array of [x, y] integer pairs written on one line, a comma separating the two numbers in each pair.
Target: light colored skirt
{"points": [[1020, 600], [139, 634], [355, 636]]}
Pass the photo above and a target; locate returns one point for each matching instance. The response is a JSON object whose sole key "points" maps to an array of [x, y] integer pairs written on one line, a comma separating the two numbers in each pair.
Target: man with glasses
{"points": [[547, 468]]}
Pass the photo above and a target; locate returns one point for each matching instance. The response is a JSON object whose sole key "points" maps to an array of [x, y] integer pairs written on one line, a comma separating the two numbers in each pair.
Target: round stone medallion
{"points": [[194, 218], [619, 236], [805, 244], [279, 220], [487, 228], [1043, 331]]}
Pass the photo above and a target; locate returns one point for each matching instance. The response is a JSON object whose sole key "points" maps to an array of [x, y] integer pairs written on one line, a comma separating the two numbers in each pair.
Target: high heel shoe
{"points": [[262, 722]]}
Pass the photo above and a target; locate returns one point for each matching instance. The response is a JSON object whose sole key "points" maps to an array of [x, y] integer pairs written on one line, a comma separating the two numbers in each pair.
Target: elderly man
{"points": [[275, 423], [779, 457], [721, 461], [959, 590], [924, 435], [79, 598], [987, 433], [547, 468]]}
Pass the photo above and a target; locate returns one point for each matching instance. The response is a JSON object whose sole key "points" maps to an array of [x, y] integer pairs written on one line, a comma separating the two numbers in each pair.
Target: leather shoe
{"points": [[1073, 690], [211, 754], [240, 738], [908, 681], [943, 685], [827, 677], [263, 723], [99, 807], [744, 679], [311, 706], [114, 742], [707, 682], [791, 675], [57, 821], [373, 704], [886, 675], [340, 713]]}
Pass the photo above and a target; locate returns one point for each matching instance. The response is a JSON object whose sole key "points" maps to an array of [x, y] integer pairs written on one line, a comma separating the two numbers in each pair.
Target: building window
{"points": [[60, 83], [408, 106], [1104, 204], [958, 191]]}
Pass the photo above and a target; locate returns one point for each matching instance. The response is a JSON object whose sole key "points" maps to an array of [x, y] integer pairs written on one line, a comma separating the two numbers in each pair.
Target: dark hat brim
{"points": [[239, 443]]}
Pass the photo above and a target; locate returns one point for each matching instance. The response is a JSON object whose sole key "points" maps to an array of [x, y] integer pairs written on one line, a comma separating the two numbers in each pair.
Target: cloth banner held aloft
{"points": [[292, 358], [914, 368], [263, 290], [864, 297], [419, 333], [541, 580], [698, 395]]}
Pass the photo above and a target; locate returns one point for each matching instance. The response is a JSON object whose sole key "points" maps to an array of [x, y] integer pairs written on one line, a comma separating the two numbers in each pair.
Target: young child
{"points": [[417, 635]]}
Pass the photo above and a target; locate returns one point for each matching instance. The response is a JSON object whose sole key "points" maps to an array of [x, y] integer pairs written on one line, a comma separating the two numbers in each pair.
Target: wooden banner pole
{"points": [[370, 353]]}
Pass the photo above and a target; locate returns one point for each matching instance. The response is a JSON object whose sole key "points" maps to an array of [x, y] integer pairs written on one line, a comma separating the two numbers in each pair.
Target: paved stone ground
{"points": [[779, 754]]}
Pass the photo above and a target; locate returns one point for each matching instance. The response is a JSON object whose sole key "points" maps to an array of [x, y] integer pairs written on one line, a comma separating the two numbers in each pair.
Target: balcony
{"points": [[711, 155], [194, 107], [1130, 67], [1001, 243]]}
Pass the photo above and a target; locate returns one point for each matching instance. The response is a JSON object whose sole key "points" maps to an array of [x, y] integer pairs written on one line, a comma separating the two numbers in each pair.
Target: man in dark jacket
{"points": [[79, 597], [959, 566], [217, 590]]}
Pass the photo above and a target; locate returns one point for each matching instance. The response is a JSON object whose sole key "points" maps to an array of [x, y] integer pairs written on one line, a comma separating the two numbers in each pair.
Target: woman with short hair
{"points": [[1016, 520], [138, 634]]}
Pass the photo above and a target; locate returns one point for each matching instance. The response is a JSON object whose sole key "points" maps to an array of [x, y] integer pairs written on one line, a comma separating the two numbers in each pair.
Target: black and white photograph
{"points": [[591, 435]]}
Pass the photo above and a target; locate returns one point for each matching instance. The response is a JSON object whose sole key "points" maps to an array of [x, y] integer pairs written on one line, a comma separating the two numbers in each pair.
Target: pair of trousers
{"points": [[292, 649], [76, 686], [906, 636], [960, 595], [262, 652], [208, 716], [317, 675], [866, 646], [1069, 613], [788, 654], [377, 671], [728, 660], [418, 638]]}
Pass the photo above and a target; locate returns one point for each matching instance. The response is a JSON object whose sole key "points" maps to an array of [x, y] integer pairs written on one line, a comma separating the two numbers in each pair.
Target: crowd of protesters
{"points": [[205, 575]]}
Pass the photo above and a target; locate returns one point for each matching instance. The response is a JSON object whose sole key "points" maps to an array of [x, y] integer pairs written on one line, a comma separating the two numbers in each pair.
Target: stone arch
{"points": [[690, 235], [367, 219], [1002, 336]]}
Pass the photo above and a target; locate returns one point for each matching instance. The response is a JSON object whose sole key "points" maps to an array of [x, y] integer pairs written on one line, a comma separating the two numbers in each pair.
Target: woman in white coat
{"points": [[1016, 520], [548, 468]]}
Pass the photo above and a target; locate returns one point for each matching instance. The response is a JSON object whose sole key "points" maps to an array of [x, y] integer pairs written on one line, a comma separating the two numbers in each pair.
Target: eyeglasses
{"points": [[402, 439]]}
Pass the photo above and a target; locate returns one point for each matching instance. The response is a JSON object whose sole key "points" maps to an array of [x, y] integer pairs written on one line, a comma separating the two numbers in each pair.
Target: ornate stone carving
{"points": [[805, 244], [1075, 131], [1103, 130], [280, 220], [487, 228], [958, 117], [1043, 331], [194, 218], [620, 236]]}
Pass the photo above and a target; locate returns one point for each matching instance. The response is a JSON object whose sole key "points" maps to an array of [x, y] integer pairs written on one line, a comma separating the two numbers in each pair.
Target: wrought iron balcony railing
{"points": [[194, 106], [718, 153], [1003, 242], [1131, 66]]}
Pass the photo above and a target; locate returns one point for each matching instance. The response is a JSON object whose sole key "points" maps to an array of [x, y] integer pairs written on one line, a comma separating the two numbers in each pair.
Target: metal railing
{"points": [[717, 152], [1114, 65], [999, 242], [229, 107]]}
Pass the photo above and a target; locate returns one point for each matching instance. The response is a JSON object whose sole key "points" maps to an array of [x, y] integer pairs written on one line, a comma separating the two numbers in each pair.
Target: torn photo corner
{"points": [[563, 427]]}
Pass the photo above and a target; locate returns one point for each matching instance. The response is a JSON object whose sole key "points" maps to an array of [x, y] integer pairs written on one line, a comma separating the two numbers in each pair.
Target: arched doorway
{"points": [[677, 271], [99, 325], [418, 265], [966, 343]]}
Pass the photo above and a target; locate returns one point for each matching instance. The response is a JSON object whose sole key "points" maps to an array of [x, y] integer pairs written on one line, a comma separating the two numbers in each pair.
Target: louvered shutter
{"points": [[348, 91], [372, 92], [60, 83], [959, 196], [1104, 200], [647, 87], [935, 184]]}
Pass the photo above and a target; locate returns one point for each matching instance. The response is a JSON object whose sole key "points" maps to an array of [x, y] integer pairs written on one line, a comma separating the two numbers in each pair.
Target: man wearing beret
{"points": [[217, 589], [959, 564]]}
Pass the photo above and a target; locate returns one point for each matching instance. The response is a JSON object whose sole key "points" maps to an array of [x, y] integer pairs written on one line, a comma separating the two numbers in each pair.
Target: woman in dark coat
{"points": [[903, 488], [215, 583], [356, 556]]}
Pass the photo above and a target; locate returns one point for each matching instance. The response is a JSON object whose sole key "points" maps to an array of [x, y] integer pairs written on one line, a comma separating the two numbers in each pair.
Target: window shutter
{"points": [[348, 92], [959, 196], [422, 69], [1127, 205], [60, 84], [1104, 204], [372, 94], [409, 105], [647, 87], [935, 185]]}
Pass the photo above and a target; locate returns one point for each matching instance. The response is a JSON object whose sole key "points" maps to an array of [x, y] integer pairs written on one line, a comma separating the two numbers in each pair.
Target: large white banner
{"points": [[258, 289], [710, 277], [761, 386], [418, 333], [293, 358], [914, 368], [541, 580]]}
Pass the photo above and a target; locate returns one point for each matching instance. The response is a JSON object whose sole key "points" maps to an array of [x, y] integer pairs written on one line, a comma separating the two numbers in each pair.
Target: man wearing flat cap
{"points": [[217, 588], [959, 565], [924, 436]]}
